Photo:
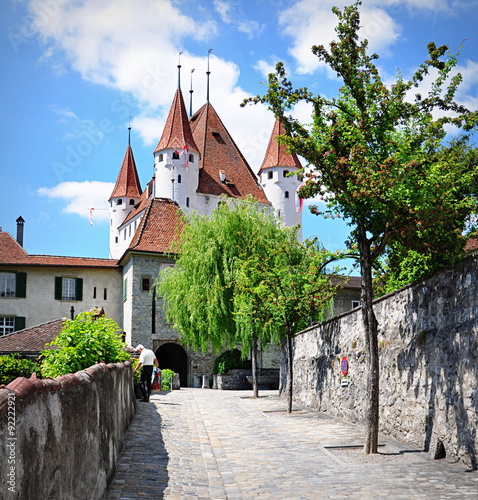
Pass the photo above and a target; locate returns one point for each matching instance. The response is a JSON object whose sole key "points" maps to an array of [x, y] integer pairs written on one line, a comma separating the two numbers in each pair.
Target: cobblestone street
{"points": [[209, 444]]}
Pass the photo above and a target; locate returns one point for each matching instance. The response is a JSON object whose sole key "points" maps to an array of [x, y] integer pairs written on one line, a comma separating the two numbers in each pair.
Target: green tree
{"points": [[379, 156], [216, 295], [285, 293], [12, 366], [83, 342]]}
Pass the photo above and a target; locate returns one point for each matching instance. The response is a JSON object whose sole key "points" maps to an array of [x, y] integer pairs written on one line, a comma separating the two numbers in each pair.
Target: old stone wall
{"points": [[428, 338], [61, 437]]}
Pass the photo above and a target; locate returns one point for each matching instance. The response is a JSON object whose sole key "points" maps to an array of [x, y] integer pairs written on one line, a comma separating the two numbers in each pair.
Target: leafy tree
{"points": [[83, 342], [216, 295], [12, 366], [379, 157]]}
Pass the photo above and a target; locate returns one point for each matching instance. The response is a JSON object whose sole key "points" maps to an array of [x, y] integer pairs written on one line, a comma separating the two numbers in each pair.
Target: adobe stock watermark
{"points": [[11, 445], [93, 137], [30, 25]]}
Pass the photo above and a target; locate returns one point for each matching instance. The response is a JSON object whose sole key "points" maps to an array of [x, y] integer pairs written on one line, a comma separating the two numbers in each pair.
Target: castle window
{"points": [[285, 173], [13, 285], [355, 303], [187, 202], [105, 294], [146, 283], [179, 178], [270, 175], [286, 194], [160, 157], [119, 202], [68, 288], [175, 155], [191, 158], [94, 292], [116, 239], [131, 202]]}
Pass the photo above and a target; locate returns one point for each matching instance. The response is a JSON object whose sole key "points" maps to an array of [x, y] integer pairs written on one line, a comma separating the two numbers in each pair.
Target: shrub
{"points": [[83, 342], [12, 366], [229, 360], [166, 377]]}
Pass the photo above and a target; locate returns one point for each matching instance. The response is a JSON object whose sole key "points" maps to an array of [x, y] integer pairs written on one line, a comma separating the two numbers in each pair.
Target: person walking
{"points": [[147, 361]]}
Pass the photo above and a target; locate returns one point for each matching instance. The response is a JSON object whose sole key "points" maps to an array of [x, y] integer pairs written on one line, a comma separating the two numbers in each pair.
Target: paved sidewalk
{"points": [[208, 444]]}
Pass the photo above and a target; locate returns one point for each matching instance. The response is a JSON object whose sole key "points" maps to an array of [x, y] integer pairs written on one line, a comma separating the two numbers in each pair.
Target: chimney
{"points": [[20, 222]]}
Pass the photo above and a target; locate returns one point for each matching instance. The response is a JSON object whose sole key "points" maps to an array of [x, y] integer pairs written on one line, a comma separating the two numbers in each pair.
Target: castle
{"points": [[196, 164]]}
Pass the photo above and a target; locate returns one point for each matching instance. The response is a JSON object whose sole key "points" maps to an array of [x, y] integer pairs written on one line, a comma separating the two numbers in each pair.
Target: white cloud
{"points": [[81, 197], [301, 21]]}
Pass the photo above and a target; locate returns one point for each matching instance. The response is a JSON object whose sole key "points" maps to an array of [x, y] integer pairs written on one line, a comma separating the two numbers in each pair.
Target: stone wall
{"points": [[428, 338], [61, 437]]}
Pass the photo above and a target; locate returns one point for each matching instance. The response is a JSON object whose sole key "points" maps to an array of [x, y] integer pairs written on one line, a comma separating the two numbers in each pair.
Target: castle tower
{"points": [[275, 177], [125, 195], [176, 158]]}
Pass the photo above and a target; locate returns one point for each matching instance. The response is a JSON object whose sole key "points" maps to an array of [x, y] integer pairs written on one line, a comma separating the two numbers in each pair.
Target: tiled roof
{"points": [[11, 253], [177, 132], [31, 340], [472, 244], [348, 282], [219, 153], [276, 154], [127, 183], [161, 224]]}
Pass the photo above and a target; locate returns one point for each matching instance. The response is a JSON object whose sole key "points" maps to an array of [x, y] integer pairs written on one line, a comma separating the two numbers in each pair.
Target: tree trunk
{"points": [[290, 373], [371, 342], [255, 385]]}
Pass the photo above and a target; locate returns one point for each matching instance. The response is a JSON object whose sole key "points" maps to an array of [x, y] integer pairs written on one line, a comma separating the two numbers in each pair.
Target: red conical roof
{"points": [[219, 153], [177, 132], [276, 154], [127, 183]]}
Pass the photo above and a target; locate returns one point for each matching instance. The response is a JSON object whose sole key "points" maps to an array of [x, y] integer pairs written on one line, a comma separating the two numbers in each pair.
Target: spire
{"points": [[208, 73], [179, 70], [127, 183], [276, 154], [191, 95], [177, 131]]}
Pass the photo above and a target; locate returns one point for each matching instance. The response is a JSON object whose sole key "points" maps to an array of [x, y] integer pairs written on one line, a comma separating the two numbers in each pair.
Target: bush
{"points": [[83, 342], [166, 377], [12, 366], [229, 360]]}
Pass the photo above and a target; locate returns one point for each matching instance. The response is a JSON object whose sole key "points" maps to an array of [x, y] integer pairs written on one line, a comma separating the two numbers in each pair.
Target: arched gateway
{"points": [[173, 357]]}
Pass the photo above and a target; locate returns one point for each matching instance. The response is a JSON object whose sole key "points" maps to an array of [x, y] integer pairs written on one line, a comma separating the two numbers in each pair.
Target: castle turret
{"points": [[125, 195], [176, 158], [276, 176]]}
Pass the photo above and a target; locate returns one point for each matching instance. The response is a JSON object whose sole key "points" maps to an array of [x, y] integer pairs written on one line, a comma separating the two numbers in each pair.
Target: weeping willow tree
{"points": [[220, 294]]}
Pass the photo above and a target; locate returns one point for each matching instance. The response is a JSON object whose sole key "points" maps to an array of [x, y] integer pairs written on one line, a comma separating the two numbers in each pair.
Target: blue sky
{"points": [[75, 73]]}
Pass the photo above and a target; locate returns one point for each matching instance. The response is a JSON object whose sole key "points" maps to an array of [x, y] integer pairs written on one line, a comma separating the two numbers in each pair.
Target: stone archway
{"points": [[173, 357]]}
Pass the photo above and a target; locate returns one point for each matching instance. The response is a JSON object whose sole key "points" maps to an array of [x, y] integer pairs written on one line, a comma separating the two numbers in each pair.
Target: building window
{"points": [[355, 303], [13, 284], [119, 202], [131, 202], [105, 294], [285, 173], [286, 194], [146, 283], [160, 157], [7, 325], [68, 288], [270, 175], [179, 179], [116, 239], [191, 158], [175, 155], [187, 202], [94, 292]]}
